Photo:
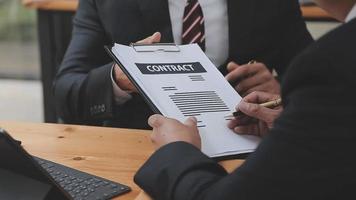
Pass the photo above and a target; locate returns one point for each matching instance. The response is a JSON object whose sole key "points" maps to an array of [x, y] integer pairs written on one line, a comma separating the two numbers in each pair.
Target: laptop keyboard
{"points": [[81, 185]]}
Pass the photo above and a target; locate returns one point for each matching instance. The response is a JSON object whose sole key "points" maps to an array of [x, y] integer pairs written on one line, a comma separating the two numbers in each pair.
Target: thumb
{"points": [[156, 37], [256, 111], [191, 121], [156, 121]]}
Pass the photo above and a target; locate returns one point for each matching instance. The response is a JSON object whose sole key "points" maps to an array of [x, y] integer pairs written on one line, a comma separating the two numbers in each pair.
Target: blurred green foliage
{"points": [[16, 22]]}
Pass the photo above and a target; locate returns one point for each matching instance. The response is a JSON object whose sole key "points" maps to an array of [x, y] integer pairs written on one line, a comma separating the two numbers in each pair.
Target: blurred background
{"points": [[21, 95], [20, 88]]}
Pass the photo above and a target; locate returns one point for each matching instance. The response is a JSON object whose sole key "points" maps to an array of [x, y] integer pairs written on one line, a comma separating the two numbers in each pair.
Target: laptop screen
{"points": [[20, 175]]}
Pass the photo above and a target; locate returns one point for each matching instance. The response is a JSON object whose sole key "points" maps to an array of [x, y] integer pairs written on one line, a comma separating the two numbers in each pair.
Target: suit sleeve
{"points": [[285, 166], [83, 87], [180, 171], [294, 34]]}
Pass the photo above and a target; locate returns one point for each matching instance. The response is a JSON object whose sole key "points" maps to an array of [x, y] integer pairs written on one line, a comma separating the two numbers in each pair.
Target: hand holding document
{"points": [[120, 78], [179, 82]]}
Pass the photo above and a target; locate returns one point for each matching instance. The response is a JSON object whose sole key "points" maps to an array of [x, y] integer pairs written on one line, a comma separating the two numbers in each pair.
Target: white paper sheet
{"points": [[186, 83]]}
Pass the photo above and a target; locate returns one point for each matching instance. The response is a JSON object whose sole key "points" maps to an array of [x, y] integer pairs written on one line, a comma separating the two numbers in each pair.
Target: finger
{"points": [[271, 87], [258, 97], [117, 70], [131, 87], [191, 121], [247, 130], [122, 77], [156, 120], [145, 41], [238, 74], [156, 37], [259, 78], [257, 111], [241, 121], [232, 124], [124, 82], [244, 71], [232, 66], [116, 66]]}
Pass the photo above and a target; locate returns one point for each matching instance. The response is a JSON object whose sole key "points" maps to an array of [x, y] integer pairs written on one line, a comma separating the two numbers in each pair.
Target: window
{"points": [[19, 57]]}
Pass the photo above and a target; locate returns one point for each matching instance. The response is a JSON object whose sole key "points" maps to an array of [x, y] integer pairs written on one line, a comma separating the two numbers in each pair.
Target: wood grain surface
{"points": [[115, 154]]}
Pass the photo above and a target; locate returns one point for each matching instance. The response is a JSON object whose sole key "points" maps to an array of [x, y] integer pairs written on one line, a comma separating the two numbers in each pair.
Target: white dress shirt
{"points": [[216, 34], [351, 15], [216, 27]]}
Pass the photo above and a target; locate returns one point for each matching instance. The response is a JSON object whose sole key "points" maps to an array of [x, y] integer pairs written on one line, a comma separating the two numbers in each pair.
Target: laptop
{"points": [[23, 177]]}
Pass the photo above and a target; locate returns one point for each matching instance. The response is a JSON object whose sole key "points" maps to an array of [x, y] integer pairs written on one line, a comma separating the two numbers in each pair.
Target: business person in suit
{"points": [[89, 90], [308, 154]]}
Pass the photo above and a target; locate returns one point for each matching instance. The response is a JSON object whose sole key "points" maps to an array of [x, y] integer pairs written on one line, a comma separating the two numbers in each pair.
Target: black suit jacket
{"points": [[309, 154], [271, 31]]}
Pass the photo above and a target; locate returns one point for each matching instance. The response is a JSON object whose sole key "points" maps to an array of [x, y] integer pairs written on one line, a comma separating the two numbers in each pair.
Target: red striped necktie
{"points": [[193, 24]]}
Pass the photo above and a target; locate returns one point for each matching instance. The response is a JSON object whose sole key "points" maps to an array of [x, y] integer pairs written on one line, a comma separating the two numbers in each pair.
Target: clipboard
{"points": [[200, 90], [165, 47]]}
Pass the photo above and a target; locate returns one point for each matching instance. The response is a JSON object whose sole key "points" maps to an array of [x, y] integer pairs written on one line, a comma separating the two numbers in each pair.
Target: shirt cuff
{"points": [[120, 95]]}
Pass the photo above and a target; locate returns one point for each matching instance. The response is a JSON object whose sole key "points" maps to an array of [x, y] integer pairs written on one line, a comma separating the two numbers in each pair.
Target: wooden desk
{"points": [[314, 13], [64, 5], [115, 154]]}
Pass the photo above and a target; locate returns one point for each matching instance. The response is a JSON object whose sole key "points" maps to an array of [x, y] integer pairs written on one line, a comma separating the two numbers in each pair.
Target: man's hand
{"points": [[120, 78], [252, 77], [257, 120], [166, 130], [155, 38]]}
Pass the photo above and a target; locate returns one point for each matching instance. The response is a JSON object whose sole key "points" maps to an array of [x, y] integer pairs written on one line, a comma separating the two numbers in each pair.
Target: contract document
{"points": [[180, 82]]}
